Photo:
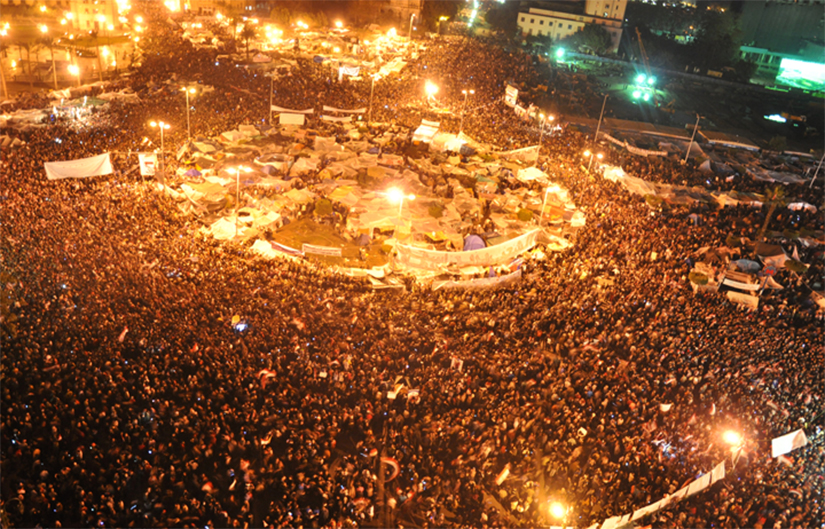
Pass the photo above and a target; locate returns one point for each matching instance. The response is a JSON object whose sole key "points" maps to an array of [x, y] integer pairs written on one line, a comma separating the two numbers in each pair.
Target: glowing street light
{"points": [[560, 54], [162, 126], [397, 195], [188, 91], [431, 89], [732, 438], [464, 106], [412, 17], [440, 20], [75, 71], [640, 79], [339, 24], [557, 510]]}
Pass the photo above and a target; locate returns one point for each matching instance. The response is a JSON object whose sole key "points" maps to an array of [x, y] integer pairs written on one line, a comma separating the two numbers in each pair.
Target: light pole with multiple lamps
{"points": [[592, 155], [162, 126], [464, 107]]}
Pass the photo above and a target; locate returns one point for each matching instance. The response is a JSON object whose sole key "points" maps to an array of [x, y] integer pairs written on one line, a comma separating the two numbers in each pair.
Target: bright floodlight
{"points": [[44, 28], [560, 53], [637, 94], [74, 70], [646, 97], [395, 195], [600, 156], [339, 24], [640, 78], [587, 153], [651, 80], [431, 89], [732, 438], [557, 510], [392, 32]]}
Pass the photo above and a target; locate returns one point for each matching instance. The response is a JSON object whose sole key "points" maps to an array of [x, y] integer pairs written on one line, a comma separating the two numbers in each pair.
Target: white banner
{"points": [[148, 163], [492, 255], [95, 166], [741, 286], [321, 250], [788, 443], [291, 119], [473, 284], [337, 119], [699, 484], [276, 108], [717, 473], [526, 154], [752, 302], [342, 111]]}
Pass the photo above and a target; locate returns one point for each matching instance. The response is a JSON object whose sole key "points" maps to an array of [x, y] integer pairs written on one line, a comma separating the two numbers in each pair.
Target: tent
{"points": [[473, 242], [746, 265], [192, 172], [362, 240]]}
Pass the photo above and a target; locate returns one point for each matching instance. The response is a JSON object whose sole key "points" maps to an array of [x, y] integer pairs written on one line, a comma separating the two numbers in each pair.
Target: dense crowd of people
{"points": [[153, 377]]}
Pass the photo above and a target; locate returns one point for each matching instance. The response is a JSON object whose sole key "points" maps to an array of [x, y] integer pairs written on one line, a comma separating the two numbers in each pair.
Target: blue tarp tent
{"points": [[473, 242]]}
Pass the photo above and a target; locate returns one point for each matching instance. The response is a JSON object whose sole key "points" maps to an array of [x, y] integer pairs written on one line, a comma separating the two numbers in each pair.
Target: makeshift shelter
{"points": [[473, 242]]}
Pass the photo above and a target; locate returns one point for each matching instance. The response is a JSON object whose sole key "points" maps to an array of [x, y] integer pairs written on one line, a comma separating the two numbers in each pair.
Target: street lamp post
{"points": [[601, 115], [412, 17], [695, 128], [237, 171], [463, 107], [162, 126], [188, 91], [271, 88], [3, 33], [547, 190], [592, 155]]}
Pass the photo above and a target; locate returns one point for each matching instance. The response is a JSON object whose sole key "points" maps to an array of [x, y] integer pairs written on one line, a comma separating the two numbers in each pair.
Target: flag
{"points": [[503, 475], [148, 162], [665, 407], [265, 375], [208, 487], [123, 335], [788, 443], [394, 465], [81, 168]]}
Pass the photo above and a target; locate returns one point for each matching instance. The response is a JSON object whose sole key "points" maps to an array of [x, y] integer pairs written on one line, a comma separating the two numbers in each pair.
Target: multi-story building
{"points": [[562, 19]]}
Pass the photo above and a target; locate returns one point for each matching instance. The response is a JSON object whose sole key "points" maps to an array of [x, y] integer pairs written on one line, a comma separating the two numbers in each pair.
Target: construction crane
{"points": [[646, 63]]}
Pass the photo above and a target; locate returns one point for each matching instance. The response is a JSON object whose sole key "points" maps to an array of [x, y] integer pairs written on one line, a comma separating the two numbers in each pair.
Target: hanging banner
{"points": [[148, 163], [276, 108], [752, 302], [291, 119], [337, 119], [321, 250], [788, 443], [511, 96], [526, 154], [434, 260], [478, 284], [352, 71], [85, 167], [342, 111]]}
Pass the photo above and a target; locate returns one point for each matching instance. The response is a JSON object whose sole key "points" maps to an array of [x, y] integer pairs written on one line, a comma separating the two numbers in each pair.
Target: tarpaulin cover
{"points": [[473, 242], [94, 166]]}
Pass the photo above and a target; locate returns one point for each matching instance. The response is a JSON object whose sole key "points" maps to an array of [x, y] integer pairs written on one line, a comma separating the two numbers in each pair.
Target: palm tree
{"points": [[775, 197], [248, 32], [49, 43]]}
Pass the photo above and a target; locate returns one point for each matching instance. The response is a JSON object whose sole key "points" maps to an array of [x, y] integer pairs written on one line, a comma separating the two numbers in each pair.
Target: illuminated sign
{"points": [[802, 74]]}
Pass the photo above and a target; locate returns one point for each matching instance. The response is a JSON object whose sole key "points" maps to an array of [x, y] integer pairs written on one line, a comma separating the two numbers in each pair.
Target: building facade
{"points": [[564, 20]]}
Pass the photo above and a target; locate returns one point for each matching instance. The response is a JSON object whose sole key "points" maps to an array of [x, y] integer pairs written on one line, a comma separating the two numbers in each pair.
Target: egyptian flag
{"points": [[265, 375], [394, 465]]}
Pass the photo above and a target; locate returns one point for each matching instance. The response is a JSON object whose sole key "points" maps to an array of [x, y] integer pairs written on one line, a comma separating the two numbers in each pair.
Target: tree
{"points": [[248, 32], [432, 11], [593, 38], [504, 17], [541, 41], [717, 40], [775, 197]]}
